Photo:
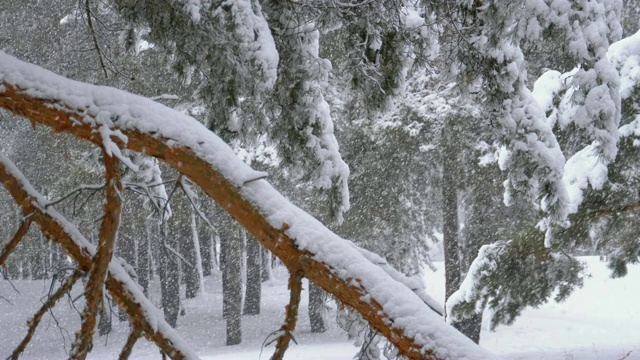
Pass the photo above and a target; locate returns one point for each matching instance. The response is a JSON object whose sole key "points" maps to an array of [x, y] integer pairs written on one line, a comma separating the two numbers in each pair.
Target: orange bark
{"points": [[58, 116], [102, 258], [13, 243], [291, 315], [56, 232]]}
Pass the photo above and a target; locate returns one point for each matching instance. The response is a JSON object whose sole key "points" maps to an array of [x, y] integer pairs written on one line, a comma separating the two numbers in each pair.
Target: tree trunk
{"points": [[230, 263], [104, 325], [450, 225], [169, 277], [189, 269], [144, 253], [316, 307], [454, 252], [266, 264], [205, 248], [197, 253], [254, 278]]}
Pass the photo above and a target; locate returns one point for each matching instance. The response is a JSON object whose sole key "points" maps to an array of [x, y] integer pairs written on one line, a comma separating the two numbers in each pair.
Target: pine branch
{"points": [[122, 289], [33, 323], [134, 335], [102, 258], [17, 237], [291, 314]]}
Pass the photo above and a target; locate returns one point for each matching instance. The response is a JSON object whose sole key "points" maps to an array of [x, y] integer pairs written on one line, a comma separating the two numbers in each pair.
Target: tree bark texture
{"points": [[100, 263], [254, 281], [60, 116], [316, 308], [64, 233], [231, 264], [169, 276]]}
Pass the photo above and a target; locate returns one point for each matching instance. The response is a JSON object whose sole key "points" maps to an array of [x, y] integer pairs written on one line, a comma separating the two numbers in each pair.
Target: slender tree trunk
{"points": [[169, 277], [104, 324], [231, 264], [316, 304], [455, 266], [189, 271], [254, 278], [265, 260], [196, 252], [205, 248], [450, 224], [144, 253]]}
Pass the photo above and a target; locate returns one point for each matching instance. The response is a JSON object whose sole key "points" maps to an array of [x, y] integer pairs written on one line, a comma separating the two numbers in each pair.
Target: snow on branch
{"points": [[298, 239], [106, 244], [127, 293]]}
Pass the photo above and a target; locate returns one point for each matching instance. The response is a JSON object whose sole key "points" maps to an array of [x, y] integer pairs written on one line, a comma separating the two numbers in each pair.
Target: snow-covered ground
{"points": [[601, 321]]}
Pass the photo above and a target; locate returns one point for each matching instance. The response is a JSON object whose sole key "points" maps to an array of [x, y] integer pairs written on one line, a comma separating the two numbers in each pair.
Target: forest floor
{"points": [[600, 321]]}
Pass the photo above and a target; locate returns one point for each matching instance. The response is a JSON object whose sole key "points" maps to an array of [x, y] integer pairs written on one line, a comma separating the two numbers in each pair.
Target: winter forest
{"points": [[319, 179]]}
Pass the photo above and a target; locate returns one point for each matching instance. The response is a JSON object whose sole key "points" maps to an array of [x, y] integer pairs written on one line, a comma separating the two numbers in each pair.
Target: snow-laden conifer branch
{"points": [[299, 240]]}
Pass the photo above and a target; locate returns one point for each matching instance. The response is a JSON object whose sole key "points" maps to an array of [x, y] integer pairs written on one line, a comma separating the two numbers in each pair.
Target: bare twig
{"points": [[17, 237], [166, 204], [7, 300], [291, 314], [74, 192], [94, 37], [33, 323], [4, 276], [191, 196], [106, 241]]}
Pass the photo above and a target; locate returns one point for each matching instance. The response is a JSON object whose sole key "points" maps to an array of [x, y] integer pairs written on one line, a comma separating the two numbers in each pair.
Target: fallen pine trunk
{"points": [[117, 120]]}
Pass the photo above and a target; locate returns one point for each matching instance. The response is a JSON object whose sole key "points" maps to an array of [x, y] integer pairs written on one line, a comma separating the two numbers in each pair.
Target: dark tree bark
{"points": [[264, 259], [454, 248], [316, 303], [144, 253], [450, 225], [169, 277], [189, 271], [231, 264], [205, 248], [254, 280], [104, 325]]}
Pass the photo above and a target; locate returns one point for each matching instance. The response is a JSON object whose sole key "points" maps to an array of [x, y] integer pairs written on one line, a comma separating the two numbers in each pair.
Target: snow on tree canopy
{"points": [[119, 110], [534, 161]]}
